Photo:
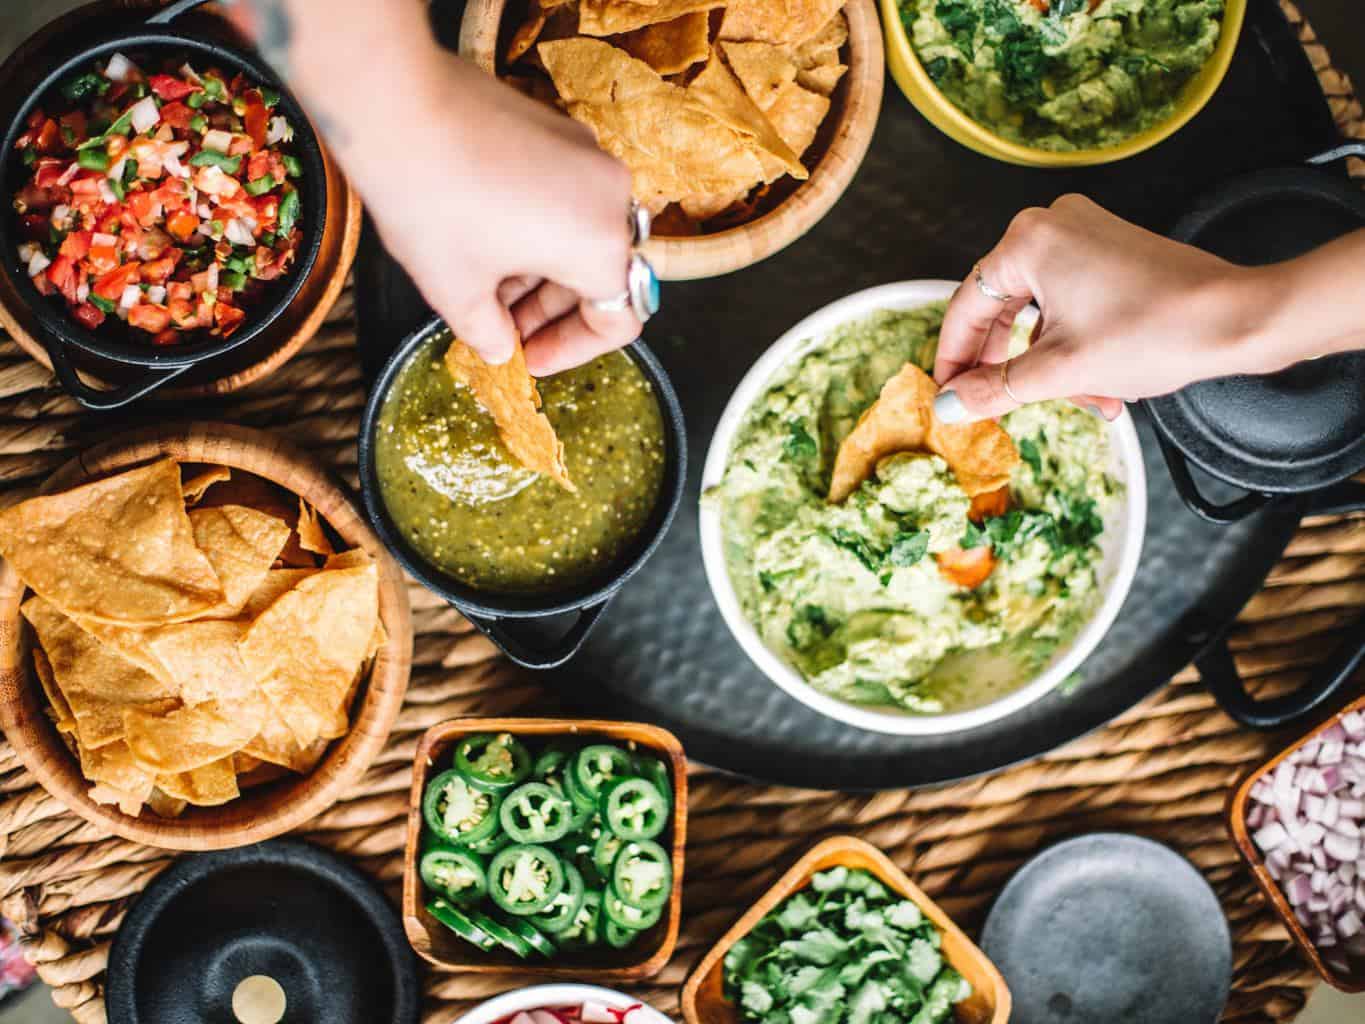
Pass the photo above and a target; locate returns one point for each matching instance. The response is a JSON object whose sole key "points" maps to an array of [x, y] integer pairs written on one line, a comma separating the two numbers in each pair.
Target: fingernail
{"points": [[1095, 411], [949, 408]]}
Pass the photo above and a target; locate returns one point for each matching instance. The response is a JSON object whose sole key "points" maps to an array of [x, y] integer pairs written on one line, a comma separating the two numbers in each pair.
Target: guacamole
{"points": [[1063, 74], [852, 595], [460, 500]]}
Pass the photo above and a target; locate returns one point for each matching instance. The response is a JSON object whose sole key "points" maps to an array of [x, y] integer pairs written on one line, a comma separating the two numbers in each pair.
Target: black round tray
{"points": [[921, 206]]}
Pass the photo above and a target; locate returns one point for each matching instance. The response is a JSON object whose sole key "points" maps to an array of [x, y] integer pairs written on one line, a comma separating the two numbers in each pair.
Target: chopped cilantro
{"points": [[799, 444], [858, 547], [1028, 451]]}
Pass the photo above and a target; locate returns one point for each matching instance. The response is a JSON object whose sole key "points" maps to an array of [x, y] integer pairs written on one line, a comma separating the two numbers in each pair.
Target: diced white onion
{"points": [[280, 130], [82, 292], [115, 173], [69, 174], [190, 74], [38, 263], [130, 297], [145, 114], [211, 276], [205, 211], [218, 140], [172, 166], [100, 238], [119, 68], [236, 233], [157, 294], [106, 192]]}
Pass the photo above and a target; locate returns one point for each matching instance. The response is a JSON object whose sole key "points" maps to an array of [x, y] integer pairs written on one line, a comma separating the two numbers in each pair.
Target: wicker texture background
{"points": [[1161, 770]]}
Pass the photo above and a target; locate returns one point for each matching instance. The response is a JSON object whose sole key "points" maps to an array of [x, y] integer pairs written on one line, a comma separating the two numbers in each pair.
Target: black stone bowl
{"points": [[550, 627], [65, 339]]}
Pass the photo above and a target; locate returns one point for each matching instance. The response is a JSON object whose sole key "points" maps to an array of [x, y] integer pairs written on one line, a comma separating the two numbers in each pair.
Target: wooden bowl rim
{"points": [[823, 855], [280, 806], [660, 740], [1235, 816], [684, 259]]}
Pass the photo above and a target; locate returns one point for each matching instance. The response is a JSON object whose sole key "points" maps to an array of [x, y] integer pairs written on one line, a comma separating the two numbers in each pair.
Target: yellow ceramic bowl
{"points": [[919, 88]]}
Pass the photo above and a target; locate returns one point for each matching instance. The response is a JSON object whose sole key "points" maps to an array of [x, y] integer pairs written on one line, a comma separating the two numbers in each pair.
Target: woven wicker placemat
{"points": [[1161, 770]]}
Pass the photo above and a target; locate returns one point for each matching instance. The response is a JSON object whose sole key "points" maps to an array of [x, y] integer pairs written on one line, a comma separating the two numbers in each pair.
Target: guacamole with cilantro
{"points": [[859, 597], [1063, 74]]}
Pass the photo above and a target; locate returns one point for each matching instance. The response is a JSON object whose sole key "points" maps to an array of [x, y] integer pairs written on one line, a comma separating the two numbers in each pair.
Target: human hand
{"points": [[509, 219], [1126, 314]]}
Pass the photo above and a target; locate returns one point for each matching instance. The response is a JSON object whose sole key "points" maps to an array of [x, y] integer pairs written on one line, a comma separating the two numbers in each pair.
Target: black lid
{"points": [[283, 909], [1302, 428]]}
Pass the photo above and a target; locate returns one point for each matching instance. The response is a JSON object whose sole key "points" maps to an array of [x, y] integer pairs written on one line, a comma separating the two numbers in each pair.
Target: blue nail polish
{"points": [[948, 408]]}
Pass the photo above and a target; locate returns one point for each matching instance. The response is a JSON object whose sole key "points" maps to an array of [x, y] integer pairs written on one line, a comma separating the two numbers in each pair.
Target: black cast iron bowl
{"points": [[574, 611], [66, 341]]}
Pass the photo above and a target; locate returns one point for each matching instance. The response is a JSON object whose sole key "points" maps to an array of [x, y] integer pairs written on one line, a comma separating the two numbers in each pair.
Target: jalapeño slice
{"points": [[559, 915], [529, 934], [502, 935], [633, 808], [618, 937], [456, 812], [492, 763], [534, 813], [642, 875], [525, 879], [455, 873], [461, 925], [615, 909], [604, 853], [655, 771], [596, 765], [586, 929], [490, 844]]}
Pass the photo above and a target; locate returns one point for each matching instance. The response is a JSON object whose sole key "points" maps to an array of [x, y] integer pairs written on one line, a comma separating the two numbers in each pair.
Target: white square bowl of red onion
{"points": [[1299, 822], [563, 1004]]}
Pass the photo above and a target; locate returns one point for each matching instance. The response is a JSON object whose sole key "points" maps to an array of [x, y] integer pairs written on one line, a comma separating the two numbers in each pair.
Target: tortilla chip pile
{"points": [[708, 102], [980, 455], [193, 637]]}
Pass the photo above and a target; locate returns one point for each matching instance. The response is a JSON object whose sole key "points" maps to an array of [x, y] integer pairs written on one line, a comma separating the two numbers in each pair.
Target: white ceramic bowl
{"points": [[538, 996], [1121, 543]]}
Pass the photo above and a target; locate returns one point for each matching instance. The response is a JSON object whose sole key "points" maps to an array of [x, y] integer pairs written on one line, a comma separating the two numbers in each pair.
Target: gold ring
{"points": [[987, 290], [1005, 383]]}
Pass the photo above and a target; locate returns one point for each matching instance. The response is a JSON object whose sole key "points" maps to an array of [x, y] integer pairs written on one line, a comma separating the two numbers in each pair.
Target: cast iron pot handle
{"points": [[1196, 502], [115, 398], [1219, 672], [168, 14], [1338, 153], [531, 655]]}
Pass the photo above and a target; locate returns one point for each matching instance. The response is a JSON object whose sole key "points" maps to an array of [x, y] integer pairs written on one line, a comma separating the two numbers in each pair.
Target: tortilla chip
{"points": [[670, 46], [777, 21], [613, 17], [509, 395], [260, 775], [526, 34], [241, 544], [129, 803], [763, 69], [306, 648], [57, 705], [164, 805], [709, 205], [821, 79], [96, 682], [796, 115], [312, 535], [191, 736], [902, 419], [195, 486], [117, 550], [823, 47], [718, 91], [275, 744], [207, 786], [250, 491], [114, 766], [674, 223], [276, 583]]}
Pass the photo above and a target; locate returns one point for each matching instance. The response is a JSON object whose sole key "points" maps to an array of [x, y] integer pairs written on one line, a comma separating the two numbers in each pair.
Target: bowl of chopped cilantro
{"points": [[900, 574], [1060, 83], [844, 937], [167, 201]]}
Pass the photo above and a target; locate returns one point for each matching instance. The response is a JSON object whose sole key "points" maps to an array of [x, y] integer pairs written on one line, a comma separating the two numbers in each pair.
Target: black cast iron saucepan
{"points": [[519, 624], [1293, 438], [64, 338]]}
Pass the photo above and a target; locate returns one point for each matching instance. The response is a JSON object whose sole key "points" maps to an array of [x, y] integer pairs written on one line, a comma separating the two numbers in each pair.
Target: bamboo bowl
{"points": [[1236, 813], [703, 997], [833, 158], [435, 944], [264, 811]]}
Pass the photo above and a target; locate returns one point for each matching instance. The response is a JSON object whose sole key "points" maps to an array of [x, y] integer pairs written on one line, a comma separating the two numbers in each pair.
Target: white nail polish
{"points": [[949, 408]]}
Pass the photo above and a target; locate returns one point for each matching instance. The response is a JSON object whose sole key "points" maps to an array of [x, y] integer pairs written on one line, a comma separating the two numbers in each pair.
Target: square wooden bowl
{"points": [[703, 997], [1241, 838], [437, 945]]}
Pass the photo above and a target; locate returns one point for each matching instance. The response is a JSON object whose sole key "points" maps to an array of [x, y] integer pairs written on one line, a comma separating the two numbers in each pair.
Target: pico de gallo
{"points": [[166, 199]]}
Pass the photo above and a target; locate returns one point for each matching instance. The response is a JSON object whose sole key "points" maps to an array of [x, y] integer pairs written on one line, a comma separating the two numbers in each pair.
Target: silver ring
{"points": [[1005, 383], [640, 221], [641, 295], [987, 290], [616, 304]]}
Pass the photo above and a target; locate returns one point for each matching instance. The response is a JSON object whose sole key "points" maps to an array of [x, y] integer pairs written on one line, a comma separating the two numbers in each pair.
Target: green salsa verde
{"points": [[851, 594], [1063, 74], [468, 508]]}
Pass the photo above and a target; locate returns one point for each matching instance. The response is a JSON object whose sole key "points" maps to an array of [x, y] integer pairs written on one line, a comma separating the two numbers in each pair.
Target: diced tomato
{"points": [[158, 271], [49, 172], [88, 316], [43, 285], [170, 336], [35, 119], [180, 290], [116, 92], [267, 212], [258, 166], [170, 192], [76, 121], [31, 197], [144, 206], [110, 219], [182, 225], [150, 318], [102, 258], [168, 87], [277, 168], [241, 145], [967, 567], [256, 118], [228, 318], [62, 273], [177, 115], [182, 312], [34, 227], [75, 245], [49, 138], [87, 189], [116, 146], [110, 286], [989, 505]]}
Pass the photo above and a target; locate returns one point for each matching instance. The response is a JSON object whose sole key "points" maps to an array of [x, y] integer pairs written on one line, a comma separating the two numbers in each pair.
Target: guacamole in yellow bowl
{"points": [[1063, 75]]}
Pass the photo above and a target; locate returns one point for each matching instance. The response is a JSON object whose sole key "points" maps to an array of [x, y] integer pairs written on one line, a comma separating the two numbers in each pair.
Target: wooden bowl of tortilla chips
{"points": [[742, 121], [203, 642]]}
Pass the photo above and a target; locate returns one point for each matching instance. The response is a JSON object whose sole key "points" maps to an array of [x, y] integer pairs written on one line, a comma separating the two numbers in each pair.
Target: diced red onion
{"points": [[596, 1013], [1341, 847], [1348, 924], [145, 114], [522, 1018], [1353, 725]]}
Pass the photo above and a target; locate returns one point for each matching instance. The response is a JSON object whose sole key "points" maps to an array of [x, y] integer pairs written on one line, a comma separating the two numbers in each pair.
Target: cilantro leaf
{"points": [[857, 546], [1028, 451], [755, 998], [908, 547], [973, 538], [799, 444], [821, 947]]}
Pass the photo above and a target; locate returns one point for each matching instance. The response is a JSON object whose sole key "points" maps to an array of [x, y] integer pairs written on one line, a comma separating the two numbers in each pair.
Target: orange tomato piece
{"points": [[75, 245], [989, 505], [150, 318], [102, 258], [110, 286], [182, 225], [967, 567], [228, 318]]}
